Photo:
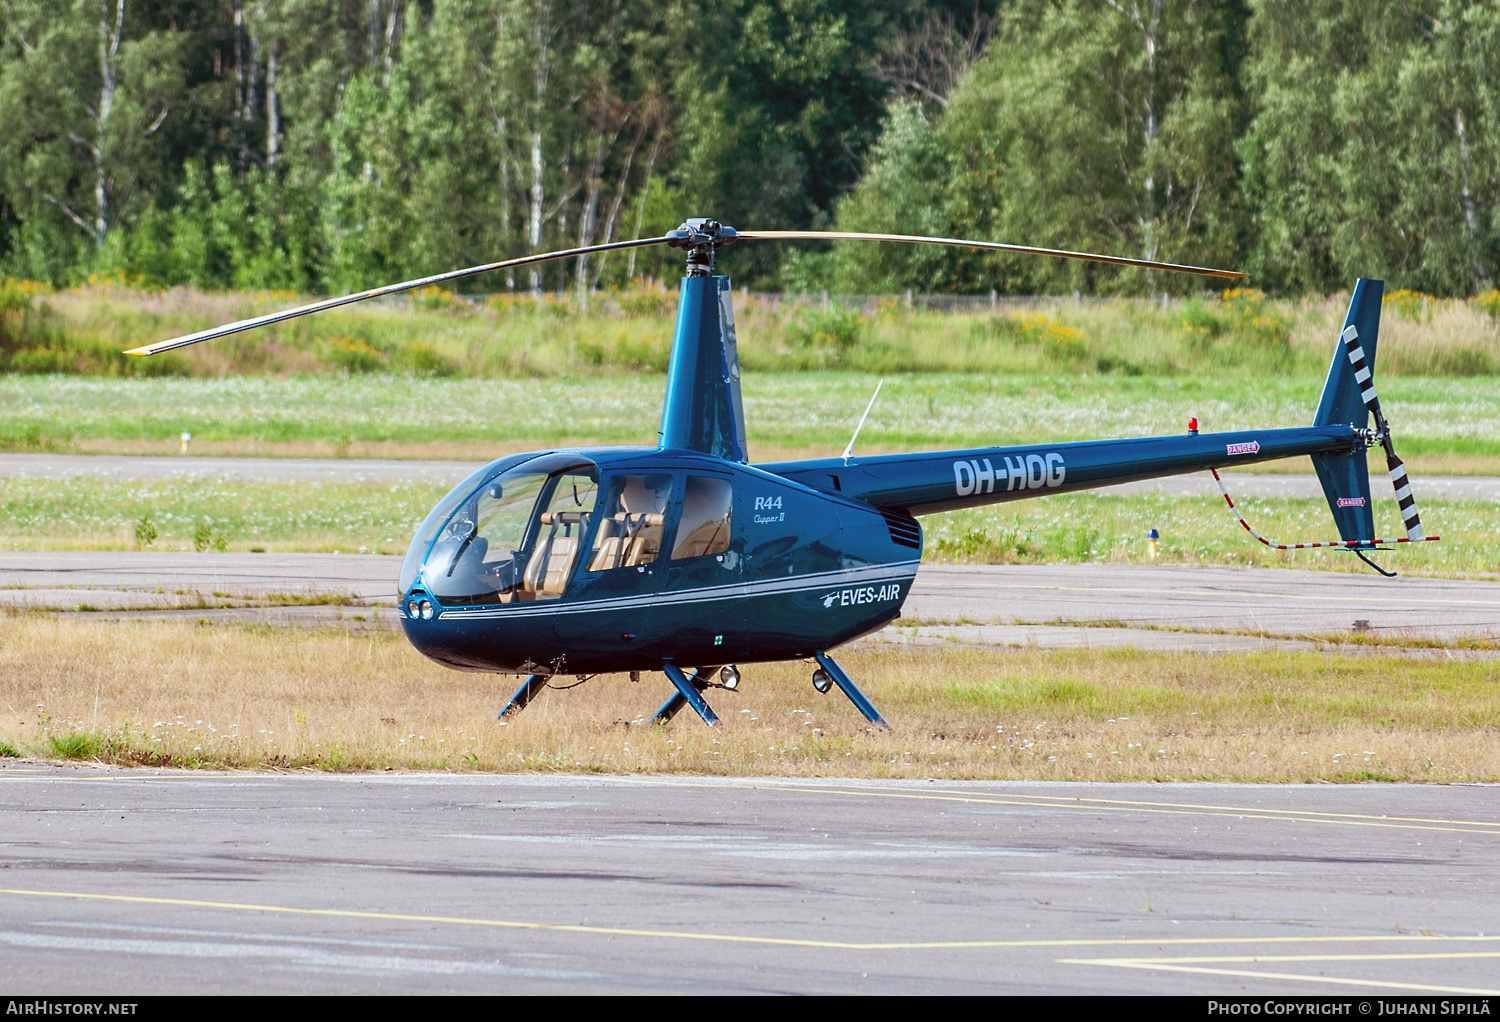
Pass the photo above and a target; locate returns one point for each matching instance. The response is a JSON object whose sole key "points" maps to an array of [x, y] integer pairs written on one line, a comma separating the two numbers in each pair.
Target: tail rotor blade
{"points": [[389, 289], [1362, 375], [993, 246]]}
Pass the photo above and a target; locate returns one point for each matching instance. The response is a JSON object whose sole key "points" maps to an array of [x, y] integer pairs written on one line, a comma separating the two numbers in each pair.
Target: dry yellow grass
{"points": [[185, 695]]}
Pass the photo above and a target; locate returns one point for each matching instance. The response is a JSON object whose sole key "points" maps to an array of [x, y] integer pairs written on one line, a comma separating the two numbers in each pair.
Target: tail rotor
{"points": [[1404, 497]]}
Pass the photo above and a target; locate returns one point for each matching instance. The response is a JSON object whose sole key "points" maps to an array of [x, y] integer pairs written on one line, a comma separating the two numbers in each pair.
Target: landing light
{"points": [[426, 611], [729, 677], [822, 680], [412, 609]]}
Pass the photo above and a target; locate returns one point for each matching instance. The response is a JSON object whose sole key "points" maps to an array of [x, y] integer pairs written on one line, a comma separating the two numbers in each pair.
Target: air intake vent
{"points": [[904, 528]]}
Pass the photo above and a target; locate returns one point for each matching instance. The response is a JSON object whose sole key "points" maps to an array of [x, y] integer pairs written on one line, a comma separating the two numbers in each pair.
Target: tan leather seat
{"points": [[631, 539], [552, 561]]}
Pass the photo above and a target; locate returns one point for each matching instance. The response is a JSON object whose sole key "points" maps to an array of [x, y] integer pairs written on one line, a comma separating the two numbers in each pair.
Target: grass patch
{"points": [[83, 512], [1442, 424], [100, 514], [171, 694], [76, 745], [1085, 527]]}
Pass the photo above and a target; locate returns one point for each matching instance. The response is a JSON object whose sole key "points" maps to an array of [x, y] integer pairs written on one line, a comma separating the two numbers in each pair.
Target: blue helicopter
{"points": [[686, 559]]}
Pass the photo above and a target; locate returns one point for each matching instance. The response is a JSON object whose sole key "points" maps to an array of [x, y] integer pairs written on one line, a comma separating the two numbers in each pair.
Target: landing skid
{"points": [[674, 705], [529, 690], [688, 690], [847, 686], [690, 693]]}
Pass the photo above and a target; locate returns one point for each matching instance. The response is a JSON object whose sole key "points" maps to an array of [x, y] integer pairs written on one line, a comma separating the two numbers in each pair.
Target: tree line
{"points": [[325, 145]]}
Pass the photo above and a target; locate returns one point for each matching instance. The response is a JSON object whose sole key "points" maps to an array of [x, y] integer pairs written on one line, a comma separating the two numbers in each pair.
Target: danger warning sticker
{"points": [[1248, 448], [1351, 502]]}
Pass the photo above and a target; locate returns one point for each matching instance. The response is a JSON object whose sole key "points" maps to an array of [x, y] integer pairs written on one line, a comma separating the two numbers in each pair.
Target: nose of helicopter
{"points": [[419, 607]]}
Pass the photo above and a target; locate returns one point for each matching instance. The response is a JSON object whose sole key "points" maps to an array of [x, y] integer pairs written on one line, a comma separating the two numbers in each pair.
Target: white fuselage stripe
{"points": [[901, 571]]}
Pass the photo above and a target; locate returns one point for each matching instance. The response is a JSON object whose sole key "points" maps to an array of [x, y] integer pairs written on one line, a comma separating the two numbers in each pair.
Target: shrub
{"points": [[205, 536], [422, 358], [645, 298], [645, 354], [1488, 302], [1405, 303], [1242, 315], [833, 328], [438, 299], [145, 532], [1200, 322], [351, 354], [78, 745]]}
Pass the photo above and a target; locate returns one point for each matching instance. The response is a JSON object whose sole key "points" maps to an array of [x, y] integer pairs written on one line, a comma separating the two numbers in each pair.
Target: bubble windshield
{"points": [[513, 538]]}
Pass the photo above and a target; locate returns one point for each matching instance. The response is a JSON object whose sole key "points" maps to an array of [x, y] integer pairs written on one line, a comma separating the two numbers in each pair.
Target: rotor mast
{"points": [[702, 238]]}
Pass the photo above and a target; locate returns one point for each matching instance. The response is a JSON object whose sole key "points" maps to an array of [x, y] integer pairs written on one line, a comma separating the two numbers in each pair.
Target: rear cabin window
{"points": [[707, 502], [630, 529]]}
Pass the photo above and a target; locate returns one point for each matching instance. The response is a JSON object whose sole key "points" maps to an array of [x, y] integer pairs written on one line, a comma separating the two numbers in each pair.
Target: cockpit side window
{"points": [[630, 531], [707, 503], [562, 525]]}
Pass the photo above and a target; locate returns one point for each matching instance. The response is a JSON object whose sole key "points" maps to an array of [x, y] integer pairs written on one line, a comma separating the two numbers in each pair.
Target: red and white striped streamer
{"points": [[1347, 544]]}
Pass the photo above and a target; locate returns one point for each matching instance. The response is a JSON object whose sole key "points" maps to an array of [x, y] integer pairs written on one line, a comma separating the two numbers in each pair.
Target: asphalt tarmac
{"points": [[134, 882]]}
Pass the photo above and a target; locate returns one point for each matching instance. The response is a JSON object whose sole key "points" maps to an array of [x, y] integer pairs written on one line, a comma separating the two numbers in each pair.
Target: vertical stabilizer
{"points": [[1346, 477], [703, 410]]}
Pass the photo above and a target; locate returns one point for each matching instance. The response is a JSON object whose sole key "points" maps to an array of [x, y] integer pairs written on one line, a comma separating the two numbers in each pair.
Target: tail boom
{"points": [[930, 482]]}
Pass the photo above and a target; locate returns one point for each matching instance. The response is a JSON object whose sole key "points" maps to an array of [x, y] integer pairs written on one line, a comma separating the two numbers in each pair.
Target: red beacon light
{"points": [[1193, 425]]}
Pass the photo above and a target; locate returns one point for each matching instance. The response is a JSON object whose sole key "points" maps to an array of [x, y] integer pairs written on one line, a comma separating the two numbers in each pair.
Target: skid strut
{"points": [[528, 691], [688, 690], [672, 706], [851, 690]]}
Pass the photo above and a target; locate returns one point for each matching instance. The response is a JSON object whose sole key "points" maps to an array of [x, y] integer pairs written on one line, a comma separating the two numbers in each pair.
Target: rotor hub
{"points": [[701, 237]]}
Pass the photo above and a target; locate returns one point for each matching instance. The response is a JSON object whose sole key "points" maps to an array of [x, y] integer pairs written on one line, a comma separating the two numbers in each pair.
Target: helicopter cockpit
{"points": [[515, 531], [512, 538]]}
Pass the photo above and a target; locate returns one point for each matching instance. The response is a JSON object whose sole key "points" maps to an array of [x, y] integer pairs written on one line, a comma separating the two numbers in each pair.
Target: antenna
{"points": [[849, 451]]}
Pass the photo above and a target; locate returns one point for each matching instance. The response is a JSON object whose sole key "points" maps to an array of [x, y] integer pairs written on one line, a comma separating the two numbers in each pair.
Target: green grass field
{"points": [[1446, 424], [187, 513]]}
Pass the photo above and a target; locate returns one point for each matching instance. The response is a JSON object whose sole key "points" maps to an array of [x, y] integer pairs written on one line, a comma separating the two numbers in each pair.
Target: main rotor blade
{"points": [[389, 289], [990, 245]]}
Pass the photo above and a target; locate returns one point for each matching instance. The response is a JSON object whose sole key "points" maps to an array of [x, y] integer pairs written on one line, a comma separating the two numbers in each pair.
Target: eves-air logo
{"points": [[869, 594], [1027, 472]]}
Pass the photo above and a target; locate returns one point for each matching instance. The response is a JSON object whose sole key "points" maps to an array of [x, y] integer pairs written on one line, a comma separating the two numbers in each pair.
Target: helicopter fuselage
{"points": [[631, 558]]}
